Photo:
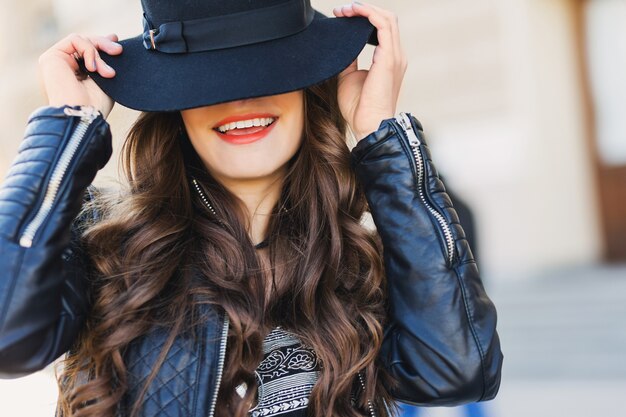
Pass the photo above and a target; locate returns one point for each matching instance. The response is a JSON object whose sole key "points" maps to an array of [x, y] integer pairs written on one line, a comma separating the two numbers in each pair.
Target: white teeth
{"points": [[263, 121]]}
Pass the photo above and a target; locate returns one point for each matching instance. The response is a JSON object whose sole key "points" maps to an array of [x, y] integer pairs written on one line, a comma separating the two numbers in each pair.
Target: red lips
{"points": [[241, 138], [239, 117]]}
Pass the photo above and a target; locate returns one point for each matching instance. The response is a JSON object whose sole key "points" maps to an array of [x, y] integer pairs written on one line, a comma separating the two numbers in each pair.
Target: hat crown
{"points": [[161, 11]]}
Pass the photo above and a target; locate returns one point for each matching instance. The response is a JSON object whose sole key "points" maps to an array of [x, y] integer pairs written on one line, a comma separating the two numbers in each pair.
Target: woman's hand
{"points": [[368, 97], [60, 78]]}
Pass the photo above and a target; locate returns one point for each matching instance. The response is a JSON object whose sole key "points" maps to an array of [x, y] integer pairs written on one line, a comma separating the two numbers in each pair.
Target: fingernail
{"points": [[95, 67], [109, 67], [117, 44]]}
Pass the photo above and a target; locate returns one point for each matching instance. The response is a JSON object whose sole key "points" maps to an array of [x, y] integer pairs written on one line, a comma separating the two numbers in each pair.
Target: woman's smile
{"points": [[272, 126], [246, 128]]}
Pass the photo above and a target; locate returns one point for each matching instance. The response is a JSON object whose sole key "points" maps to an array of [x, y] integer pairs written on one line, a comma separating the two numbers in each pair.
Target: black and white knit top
{"points": [[285, 376]]}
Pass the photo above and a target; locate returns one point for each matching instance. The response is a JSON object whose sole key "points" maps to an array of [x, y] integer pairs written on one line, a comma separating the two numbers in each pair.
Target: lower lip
{"points": [[249, 138]]}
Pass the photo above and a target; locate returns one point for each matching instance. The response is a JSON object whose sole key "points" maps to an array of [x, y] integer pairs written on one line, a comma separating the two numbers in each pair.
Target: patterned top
{"points": [[285, 376]]}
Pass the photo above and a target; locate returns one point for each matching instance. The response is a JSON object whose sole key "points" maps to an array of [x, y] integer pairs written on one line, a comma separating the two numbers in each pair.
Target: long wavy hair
{"points": [[158, 252]]}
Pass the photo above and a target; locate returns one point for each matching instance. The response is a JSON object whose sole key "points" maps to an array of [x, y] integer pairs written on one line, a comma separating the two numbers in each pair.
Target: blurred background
{"points": [[524, 106]]}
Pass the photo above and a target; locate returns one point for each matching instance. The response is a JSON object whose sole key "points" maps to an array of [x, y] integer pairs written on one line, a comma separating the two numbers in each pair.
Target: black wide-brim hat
{"points": [[196, 53]]}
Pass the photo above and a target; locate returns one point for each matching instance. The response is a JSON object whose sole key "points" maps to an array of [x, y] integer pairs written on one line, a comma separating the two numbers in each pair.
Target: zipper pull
{"points": [[370, 405], [87, 113], [404, 121]]}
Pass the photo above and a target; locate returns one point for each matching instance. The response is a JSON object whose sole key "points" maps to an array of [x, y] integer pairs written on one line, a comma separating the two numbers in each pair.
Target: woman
{"points": [[234, 276]]}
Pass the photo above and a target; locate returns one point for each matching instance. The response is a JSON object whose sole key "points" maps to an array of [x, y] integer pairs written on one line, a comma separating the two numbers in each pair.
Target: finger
{"points": [[396, 59], [384, 12], [106, 44], [344, 11], [374, 15], [386, 23], [387, 16], [382, 24], [104, 68], [338, 11], [76, 44], [395, 30], [79, 46]]}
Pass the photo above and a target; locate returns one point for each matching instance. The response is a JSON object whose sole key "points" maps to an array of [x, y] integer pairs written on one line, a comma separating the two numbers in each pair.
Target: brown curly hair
{"points": [[327, 267]]}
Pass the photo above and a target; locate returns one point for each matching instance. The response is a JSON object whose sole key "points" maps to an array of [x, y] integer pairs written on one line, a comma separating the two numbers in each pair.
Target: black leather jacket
{"points": [[440, 342]]}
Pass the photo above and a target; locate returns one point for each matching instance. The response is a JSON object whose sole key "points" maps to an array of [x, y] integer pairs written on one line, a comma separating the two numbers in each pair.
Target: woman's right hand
{"points": [[60, 77]]}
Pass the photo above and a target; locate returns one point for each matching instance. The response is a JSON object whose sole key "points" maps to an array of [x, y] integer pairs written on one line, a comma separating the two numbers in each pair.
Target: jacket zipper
{"points": [[404, 121], [203, 197], [220, 369], [224, 338], [369, 402], [87, 115], [205, 200]]}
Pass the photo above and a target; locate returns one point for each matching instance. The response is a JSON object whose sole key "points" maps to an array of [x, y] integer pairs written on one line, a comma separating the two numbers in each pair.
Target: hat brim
{"points": [[149, 80]]}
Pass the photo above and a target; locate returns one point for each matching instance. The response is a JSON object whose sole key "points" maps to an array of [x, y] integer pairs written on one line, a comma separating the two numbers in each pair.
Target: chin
{"points": [[250, 172]]}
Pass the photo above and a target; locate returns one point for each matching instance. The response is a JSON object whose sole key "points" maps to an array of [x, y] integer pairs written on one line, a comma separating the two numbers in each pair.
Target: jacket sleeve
{"points": [[440, 342], [44, 292]]}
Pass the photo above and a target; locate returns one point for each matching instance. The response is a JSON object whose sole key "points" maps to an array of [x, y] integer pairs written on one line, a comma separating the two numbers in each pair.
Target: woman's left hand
{"points": [[367, 97]]}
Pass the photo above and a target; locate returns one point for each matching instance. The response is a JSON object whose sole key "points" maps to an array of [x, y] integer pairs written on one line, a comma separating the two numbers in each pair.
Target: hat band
{"points": [[229, 30]]}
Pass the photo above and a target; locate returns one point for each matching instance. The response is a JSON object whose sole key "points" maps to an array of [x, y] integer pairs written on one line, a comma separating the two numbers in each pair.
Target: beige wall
{"points": [[493, 81], [496, 85]]}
